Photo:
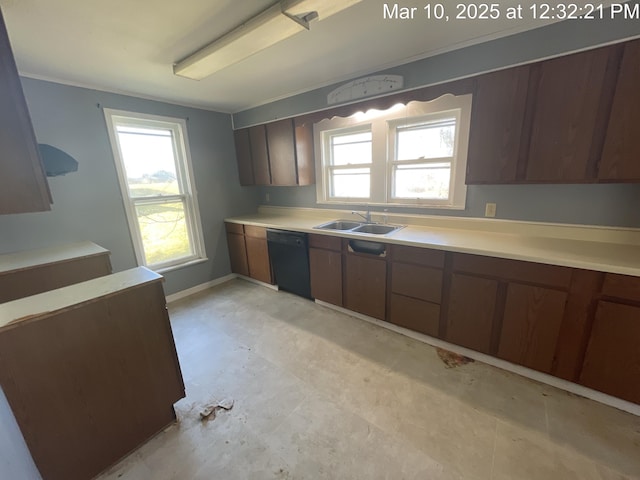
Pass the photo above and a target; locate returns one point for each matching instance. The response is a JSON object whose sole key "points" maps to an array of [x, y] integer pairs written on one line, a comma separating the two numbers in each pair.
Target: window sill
{"points": [[170, 268]]}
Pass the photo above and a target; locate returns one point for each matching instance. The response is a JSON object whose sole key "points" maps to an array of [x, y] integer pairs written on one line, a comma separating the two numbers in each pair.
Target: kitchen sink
{"points": [[359, 227], [339, 225], [376, 229]]}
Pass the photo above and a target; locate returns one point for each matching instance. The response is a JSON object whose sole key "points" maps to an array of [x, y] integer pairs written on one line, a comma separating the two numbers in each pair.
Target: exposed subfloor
{"points": [[322, 395]]}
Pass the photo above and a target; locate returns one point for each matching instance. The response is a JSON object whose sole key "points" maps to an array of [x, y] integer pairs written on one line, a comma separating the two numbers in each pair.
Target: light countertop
{"points": [[54, 300], [603, 249], [11, 262]]}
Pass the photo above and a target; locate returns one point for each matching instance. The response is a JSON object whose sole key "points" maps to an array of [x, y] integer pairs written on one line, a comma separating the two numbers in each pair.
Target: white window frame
{"points": [[383, 127], [185, 177]]}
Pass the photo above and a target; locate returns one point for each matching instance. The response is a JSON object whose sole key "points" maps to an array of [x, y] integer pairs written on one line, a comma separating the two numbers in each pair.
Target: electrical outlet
{"points": [[267, 197], [490, 210]]}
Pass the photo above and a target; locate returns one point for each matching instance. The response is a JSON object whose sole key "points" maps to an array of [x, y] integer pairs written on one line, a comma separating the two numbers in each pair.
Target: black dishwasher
{"points": [[289, 254]]}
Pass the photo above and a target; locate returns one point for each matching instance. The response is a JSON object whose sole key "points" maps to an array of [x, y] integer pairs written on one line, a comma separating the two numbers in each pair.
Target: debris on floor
{"points": [[452, 359], [209, 411]]}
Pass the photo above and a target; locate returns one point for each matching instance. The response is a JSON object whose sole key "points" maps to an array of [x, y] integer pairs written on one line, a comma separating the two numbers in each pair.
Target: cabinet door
{"points": [[23, 184], [612, 360], [365, 285], [326, 275], [621, 154], [565, 116], [243, 156], [258, 259], [282, 153], [530, 326], [472, 305], [259, 155], [497, 117], [305, 155], [238, 254]]}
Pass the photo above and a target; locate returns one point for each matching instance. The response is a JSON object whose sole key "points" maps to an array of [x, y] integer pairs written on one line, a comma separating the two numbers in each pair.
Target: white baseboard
{"points": [[258, 282], [496, 362], [199, 288]]}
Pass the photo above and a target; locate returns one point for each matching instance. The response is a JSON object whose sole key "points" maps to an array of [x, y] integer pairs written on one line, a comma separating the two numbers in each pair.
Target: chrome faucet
{"points": [[366, 216]]}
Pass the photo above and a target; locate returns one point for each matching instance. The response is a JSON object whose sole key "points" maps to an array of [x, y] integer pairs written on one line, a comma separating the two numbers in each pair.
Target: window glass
{"points": [[422, 181], [426, 141], [154, 170], [351, 148], [352, 182]]}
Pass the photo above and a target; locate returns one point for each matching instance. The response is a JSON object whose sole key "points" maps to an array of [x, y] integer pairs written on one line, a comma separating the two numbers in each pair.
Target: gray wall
{"points": [[87, 203], [615, 205], [606, 204]]}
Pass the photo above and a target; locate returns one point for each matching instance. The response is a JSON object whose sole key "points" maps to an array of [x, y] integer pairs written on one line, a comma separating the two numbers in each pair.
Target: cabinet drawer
{"points": [[528, 272], [621, 286], [423, 317], [325, 241], [418, 282], [256, 232], [419, 256], [234, 228]]}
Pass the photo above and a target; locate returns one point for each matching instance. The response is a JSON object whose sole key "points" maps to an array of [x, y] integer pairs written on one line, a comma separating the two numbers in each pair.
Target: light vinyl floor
{"points": [[321, 395]]}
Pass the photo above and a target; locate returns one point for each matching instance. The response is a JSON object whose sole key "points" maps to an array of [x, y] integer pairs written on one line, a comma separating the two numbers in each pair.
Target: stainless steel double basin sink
{"points": [[359, 227]]}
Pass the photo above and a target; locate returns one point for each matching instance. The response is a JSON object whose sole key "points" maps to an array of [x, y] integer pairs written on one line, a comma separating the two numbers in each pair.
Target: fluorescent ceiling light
{"points": [[278, 22]]}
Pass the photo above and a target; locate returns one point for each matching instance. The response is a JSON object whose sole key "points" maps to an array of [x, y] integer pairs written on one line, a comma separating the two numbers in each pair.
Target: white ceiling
{"points": [[129, 46]]}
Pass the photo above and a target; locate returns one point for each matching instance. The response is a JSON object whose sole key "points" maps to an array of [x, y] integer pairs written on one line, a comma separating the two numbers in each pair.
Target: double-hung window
{"points": [[413, 155], [154, 168]]}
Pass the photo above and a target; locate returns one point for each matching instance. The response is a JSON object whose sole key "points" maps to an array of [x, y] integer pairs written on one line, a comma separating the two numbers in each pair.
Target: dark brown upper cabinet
{"points": [[23, 183], [282, 152], [243, 156], [621, 153], [259, 155], [278, 153], [567, 93], [497, 117]]}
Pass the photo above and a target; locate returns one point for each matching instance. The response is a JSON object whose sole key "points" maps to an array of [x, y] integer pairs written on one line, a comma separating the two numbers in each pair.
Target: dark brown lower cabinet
{"points": [[417, 315], [471, 312], [612, 360], [326, 275], [238, 253], [90, 382], [365, 284], [530, 325], [258, 259]]}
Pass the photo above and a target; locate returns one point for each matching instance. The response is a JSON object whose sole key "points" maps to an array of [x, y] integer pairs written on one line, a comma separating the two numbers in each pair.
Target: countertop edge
{"points": [[605, 261]]}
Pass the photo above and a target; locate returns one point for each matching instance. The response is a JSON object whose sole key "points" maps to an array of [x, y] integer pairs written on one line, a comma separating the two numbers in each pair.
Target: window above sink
{"points": [[413, 155]]}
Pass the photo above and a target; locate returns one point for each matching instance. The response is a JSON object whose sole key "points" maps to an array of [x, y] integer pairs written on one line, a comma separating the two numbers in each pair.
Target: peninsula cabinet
{"points": [[325, 266], [90, 371], [27, 273], [23, 183], [621, 154]]}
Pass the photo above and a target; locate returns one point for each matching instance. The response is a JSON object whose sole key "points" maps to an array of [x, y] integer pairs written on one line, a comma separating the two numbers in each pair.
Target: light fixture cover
{"points": [[278, 22]]}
